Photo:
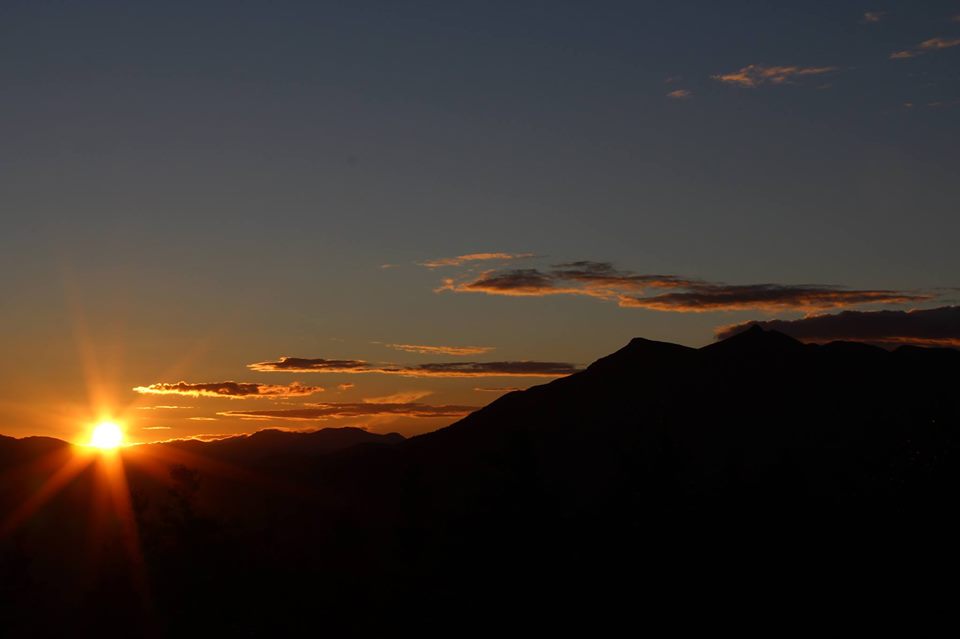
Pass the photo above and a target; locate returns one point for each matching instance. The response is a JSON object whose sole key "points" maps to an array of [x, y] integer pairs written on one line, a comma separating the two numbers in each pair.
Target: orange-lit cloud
{"points": [[446, 369], [754, 75], [873, 16], [472, 257], [924, 327], [341, 410], [441, 350], [233, 390], [903, 55], [156, 428], [680, 94], [498, 389], [632, 290], [162, 407], [344, 386]]}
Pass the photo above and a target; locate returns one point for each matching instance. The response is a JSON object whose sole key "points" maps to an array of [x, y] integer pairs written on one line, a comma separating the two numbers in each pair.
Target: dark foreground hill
{"points": [[756, 480]]}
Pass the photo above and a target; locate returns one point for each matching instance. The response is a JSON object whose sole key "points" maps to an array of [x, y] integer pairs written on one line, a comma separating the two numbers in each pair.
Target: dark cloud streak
{"points": [[313, 412], [446, 369]]}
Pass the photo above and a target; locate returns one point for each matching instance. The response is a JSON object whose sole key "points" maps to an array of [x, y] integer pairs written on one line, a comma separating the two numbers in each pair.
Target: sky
{"points": [[219, 217]]}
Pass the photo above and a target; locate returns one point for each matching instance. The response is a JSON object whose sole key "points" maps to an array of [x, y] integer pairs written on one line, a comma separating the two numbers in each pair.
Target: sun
{"points": [[106, 435]]}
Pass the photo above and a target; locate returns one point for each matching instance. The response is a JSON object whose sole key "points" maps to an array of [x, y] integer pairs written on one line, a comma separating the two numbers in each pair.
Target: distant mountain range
{"points": [[635, 488]]}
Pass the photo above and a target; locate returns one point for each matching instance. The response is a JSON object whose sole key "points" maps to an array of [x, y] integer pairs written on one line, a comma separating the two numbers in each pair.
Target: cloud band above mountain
{"points": [[925, 327], [674, 293]]}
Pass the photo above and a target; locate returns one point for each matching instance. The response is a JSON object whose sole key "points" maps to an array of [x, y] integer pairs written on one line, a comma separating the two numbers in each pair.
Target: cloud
{"points": [[202, 419], [208, 437], [754, 75], [680, 94], [873, 16], [156, 428], [932, 44], [765, 297], [454, 369], [233, 390], [403, 397], [593, 279], [441, 350], [498, 389], [926, 327], [345, 386], [339, 410], [632, 290], [162, 407], [472, 257]]}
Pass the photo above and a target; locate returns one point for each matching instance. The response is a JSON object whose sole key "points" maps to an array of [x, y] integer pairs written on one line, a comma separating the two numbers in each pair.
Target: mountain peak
{"points": [[755, 340]]}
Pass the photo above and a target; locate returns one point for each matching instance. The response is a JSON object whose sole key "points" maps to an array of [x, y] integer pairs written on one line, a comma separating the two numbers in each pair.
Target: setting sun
{"points": [[106, 435]]}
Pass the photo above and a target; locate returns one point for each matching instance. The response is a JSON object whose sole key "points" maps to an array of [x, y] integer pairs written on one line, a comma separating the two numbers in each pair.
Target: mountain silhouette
{"points": [[660, 483]]}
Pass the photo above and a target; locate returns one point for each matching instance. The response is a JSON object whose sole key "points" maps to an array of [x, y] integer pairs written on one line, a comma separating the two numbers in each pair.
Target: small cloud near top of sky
{"points": [[755, 75], [873, 16], [927, 46], [680, 94]]}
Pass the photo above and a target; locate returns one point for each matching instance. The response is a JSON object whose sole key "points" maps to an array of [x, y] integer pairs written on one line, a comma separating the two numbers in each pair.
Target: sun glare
{"points": [[106, 435]]}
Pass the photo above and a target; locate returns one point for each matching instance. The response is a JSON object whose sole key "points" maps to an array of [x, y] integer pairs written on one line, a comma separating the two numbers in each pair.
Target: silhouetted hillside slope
{"points": [[662, 481]]}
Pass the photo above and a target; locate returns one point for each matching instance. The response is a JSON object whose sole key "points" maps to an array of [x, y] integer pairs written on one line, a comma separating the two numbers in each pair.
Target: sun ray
{"points": [[53, 485]]}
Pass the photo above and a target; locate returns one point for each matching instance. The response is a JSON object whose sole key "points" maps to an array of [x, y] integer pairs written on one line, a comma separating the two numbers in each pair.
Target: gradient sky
{"points": [[189, 188]]}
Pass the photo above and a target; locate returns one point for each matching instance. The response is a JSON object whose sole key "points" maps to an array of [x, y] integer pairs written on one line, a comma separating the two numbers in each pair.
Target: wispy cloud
{"points": [[446, 369], [934, 44], [345, 386], [498, 389], [339, 410], [156, 428], [441, 350], [403, 397], [873, 16], [233, 390], [473, 257], [927, 46], [671, 292], [680, 94], [162, 407], [925, 327], [755, 75], [202, 419]]}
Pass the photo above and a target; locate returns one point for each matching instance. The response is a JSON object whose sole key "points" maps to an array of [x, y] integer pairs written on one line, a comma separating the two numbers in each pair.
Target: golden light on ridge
{"points": [[106, 436]]}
